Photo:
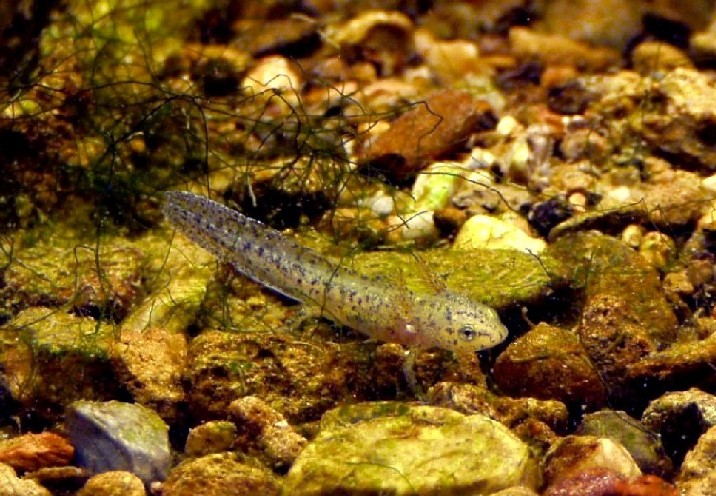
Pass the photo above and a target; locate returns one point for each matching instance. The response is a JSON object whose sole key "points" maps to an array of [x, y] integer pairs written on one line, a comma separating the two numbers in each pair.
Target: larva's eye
{"points": [[467, 333]]}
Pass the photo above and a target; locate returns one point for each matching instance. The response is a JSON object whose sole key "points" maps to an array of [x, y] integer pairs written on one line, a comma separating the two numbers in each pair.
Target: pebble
{"points": [[658, 249], [211, 437], [114, 483], [275, 436], [275, 74], [470, 399], [434, 126], [573, 455], [31, 452], [221, 474], [11, 485], [699, 465], [484, 231], [625, 316], [68, 354], [680, 418], [556, 49], [150, 363], [383, 39], [653, 56], [450, 60], [113, 435], [550, 363], [643, 445]]}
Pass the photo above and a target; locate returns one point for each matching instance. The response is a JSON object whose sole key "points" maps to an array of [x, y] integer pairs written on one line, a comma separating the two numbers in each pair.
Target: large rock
{"points": [[395, 448]]}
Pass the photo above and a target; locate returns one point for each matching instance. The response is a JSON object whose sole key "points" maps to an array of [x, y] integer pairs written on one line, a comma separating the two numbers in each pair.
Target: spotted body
{"points": [[380, 310]]}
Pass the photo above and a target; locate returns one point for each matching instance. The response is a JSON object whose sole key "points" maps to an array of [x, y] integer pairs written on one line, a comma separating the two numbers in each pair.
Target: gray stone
{"points": [[112, 435]]}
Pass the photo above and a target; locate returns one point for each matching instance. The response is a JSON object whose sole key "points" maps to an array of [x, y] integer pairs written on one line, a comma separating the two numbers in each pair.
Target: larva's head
{"points": [[461, 325]]}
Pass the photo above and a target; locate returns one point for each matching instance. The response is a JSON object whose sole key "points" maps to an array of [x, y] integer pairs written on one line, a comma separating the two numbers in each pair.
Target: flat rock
{"points": [[408, 449]]}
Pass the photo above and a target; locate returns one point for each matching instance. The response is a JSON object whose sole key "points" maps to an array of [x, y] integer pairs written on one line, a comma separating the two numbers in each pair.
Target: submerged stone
{"points": [[499, 278], [643, 445], [625, 316], [49, 358], [113, 435], [220, 474], [550, 363], [410, 449]]}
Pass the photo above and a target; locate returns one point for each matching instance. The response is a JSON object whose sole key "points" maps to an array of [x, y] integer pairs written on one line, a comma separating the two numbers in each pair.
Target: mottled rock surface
{"points": [[220, 474], [643, 445], [699, 468], [30, 452], [431, 128], [11, 485], [150, 364], [573, 455], [550, 363], [113, 484], [409, 449], [210, 437]]}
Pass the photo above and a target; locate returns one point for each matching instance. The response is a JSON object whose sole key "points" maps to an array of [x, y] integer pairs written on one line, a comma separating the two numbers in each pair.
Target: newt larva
{"points": [[383, 311]]}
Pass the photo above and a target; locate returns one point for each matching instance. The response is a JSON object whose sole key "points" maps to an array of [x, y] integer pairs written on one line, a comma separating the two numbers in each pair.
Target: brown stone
{"points": [[550, 363], [31, 452], [432, 128]]}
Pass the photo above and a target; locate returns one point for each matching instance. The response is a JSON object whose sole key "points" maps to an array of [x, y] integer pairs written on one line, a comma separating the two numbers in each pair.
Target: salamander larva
{"points": [[446, 319]]}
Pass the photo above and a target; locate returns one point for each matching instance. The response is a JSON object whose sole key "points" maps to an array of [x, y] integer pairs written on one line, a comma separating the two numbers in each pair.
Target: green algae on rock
{"points": [[214, 436], [114, 435], [56, 266], [297, 376], [606, 267], [625, 315], [50, 358], [219, 474], [499, 278], [411, 450], [177, 288]]}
